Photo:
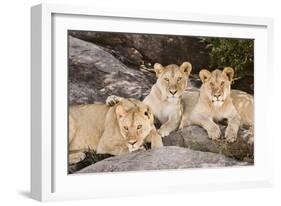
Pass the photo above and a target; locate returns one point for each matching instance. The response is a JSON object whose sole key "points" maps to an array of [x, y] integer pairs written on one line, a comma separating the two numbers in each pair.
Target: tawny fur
{"points": [[100, 127], [165, 97], [216, 101]]}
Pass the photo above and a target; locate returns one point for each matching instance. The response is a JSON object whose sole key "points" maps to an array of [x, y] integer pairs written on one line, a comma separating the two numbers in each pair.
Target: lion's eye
{"points": [[139, 126], [222, 83], [180, 78], [125, 127], [166, 79], [212, 84]]}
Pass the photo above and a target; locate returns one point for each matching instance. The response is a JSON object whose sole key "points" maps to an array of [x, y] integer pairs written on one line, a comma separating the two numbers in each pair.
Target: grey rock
{"points": [[137, 49], [164, 158], [94, 74], [196, 138], [174, 139]]}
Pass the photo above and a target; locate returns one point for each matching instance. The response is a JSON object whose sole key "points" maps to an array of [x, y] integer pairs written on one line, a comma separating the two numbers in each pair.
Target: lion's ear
{"points": [[120, 111], [229, 72], [158, 68], [204, 75], [148, 113], [186, 67]]}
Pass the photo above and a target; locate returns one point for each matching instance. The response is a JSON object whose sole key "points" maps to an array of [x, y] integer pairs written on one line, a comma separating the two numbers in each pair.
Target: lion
{"points": [[116, 130], [216, 101], [165, 97]]}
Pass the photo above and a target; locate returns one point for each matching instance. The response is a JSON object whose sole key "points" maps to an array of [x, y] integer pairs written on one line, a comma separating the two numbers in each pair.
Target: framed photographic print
{"points": [[134, 102]]}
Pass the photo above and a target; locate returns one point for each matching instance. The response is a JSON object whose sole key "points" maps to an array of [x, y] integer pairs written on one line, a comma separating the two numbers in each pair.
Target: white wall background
{"points": [[15, 100]]}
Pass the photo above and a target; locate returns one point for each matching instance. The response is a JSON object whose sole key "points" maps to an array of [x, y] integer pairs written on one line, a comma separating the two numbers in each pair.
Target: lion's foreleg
{"points": [[155, 139], [171, 125], [232, 128], [76, 157], [185, 121], [208, 124]]}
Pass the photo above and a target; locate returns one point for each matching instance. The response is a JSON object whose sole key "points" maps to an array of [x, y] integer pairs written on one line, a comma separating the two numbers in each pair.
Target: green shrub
{"points": [[237, 53]]}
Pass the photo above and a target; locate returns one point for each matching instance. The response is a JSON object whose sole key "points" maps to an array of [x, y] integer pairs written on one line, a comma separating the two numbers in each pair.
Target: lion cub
{"points": [[215, 102], [110, 130], [165, 97]]}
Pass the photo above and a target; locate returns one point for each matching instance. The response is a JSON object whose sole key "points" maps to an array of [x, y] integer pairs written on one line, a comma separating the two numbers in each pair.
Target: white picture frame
{"points": [[49, 179]]}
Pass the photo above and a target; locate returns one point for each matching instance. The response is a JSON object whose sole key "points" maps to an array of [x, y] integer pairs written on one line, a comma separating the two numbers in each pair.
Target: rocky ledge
{"points": [[170, 157]]}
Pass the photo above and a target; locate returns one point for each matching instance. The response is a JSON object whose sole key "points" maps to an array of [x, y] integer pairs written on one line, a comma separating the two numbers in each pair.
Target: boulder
{"points": [[94, 74], [138, 49], [170, 157], [196, 138]]}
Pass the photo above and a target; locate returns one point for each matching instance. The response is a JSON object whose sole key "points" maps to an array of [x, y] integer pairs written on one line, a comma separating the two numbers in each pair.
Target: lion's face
{"points": [[216, 84], [172, 79], [135, 123]]}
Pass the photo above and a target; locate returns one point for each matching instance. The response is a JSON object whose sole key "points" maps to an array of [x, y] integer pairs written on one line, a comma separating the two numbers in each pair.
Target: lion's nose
{"points": [[173, 92], [216, 95], [132, 142]]}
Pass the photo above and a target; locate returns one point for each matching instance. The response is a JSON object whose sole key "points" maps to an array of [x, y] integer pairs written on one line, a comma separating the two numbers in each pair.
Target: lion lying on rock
{"points": [[216, 101], [123, 128], [165, 97]]}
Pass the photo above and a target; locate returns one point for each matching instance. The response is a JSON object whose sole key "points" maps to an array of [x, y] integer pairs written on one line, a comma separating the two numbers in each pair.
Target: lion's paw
{"points": [[157, 143], [214, 132], [230, 134], [112, 100], [163, 132], [141, 148], [76, 157]]}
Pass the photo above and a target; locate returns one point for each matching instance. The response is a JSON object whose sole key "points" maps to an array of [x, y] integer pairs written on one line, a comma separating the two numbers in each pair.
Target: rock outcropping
{"points": [[116, 65], [164, 158], [196, 138], [94, 74], [142, 49]]}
